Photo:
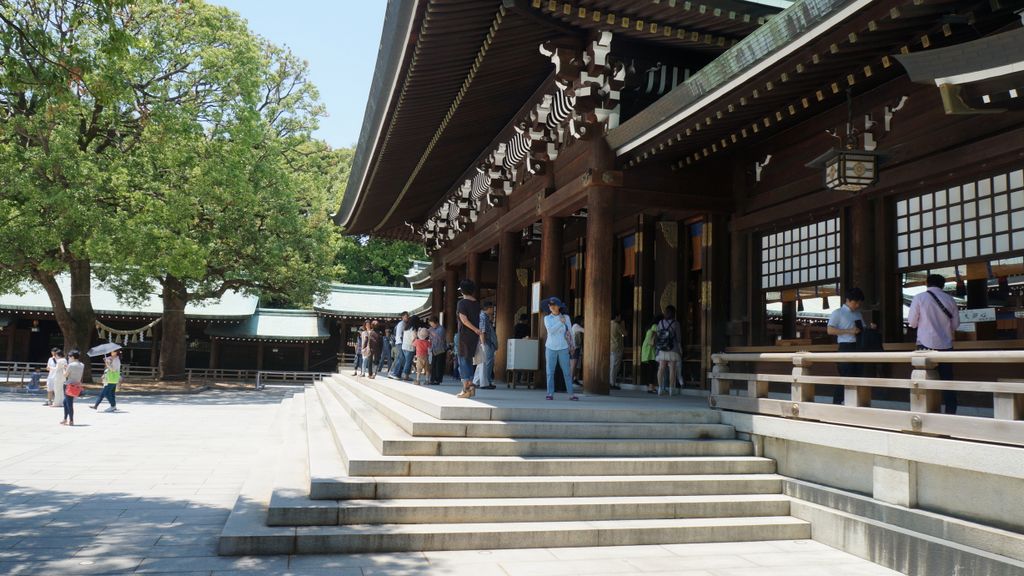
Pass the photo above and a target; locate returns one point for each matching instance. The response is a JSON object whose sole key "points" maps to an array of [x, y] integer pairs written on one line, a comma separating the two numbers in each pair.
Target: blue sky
{"points": [[339, 39]]}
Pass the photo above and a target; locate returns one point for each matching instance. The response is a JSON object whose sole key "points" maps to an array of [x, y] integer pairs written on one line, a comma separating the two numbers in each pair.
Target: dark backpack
{"points": [[665, 339]]}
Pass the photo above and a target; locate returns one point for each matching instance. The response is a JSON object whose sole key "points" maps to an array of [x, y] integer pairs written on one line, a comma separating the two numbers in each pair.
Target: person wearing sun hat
{"points": [[557, 345]]}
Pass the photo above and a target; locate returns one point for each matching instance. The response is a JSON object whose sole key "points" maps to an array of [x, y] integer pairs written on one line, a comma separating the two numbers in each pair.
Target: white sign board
{"points": [[535, 298], [978, 315]]}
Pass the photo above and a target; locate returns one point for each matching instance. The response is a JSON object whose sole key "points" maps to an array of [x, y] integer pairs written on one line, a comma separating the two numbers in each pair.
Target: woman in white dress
{"points": [[59, 378]]}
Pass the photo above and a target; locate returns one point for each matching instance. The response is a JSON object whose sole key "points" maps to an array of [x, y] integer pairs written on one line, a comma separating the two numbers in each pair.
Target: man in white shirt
{"points": [[397, 358], [936, 317], [846, 323]]}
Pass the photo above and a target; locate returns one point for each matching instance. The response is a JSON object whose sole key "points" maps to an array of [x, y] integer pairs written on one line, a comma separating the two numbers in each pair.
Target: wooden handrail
{"points": [[925, 387]]}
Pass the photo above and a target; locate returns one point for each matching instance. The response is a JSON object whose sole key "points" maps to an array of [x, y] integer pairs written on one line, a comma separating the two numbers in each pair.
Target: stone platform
{"points": [[365, 465]]}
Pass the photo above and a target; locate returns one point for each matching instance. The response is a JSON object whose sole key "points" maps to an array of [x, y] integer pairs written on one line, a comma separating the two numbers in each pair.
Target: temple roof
{"points": [[269, 324], [450, 77], [347, 300], [231, 306]]}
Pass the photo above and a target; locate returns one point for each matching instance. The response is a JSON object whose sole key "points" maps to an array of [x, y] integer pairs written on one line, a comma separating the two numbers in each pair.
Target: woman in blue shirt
{"points": [[557, 346]]}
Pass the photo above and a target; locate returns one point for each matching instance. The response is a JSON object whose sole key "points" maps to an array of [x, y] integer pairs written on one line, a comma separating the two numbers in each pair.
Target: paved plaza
{"points": [[147, 490]]}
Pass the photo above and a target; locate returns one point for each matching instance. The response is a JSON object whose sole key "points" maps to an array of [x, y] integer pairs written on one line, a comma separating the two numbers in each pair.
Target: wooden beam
{"points": [[674, 200]]}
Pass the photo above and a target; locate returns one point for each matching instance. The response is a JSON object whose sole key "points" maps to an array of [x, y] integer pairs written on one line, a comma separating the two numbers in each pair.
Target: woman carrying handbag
{"points": [[72, 386]]}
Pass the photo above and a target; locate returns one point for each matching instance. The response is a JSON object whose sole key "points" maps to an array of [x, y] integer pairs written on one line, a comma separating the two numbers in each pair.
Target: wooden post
{"points": [[473, 268], [597, 301], [436, 296], [451, 285], [215, 353], [801, 391], [643, 291], [305, 356], [923, 400], [11, 328], [506, 304], [259, 355], [739, 285]]}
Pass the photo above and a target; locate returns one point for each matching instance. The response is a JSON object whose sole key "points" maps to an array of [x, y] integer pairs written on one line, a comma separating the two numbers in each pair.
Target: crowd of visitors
{"points": [[419, 351]]}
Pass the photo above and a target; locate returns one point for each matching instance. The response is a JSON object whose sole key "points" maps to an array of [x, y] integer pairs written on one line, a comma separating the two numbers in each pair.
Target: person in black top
{"points": [[468, 312], [522, 328]]}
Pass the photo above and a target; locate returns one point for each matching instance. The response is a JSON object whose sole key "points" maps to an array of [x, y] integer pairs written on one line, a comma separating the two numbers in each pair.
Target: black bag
{"points": [[665, 339]]}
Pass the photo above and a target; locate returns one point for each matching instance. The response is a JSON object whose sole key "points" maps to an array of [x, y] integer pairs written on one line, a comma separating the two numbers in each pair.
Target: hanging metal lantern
{"points": [[849, 170]]}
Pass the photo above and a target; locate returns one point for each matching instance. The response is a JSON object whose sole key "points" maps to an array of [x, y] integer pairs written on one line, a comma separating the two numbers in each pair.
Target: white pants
{"points": [[58, 392], [615, 364]]}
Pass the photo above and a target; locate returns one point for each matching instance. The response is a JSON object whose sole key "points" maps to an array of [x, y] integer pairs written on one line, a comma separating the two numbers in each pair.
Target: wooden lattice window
{"points": [[807, 254], [974, 220]]}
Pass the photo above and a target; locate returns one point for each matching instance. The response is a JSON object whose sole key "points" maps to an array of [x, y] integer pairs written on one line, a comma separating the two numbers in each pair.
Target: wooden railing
{"points": [[925, 387]]}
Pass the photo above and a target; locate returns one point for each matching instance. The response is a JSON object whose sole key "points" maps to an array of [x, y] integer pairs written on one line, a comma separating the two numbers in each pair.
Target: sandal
{"points": [[549, 397]]}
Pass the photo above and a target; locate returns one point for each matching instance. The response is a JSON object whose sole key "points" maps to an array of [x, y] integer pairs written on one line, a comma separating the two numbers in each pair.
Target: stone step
{"points": [[457, 510], [355, 458], [292, 482], [390, 440], [442, 405], [477, 536], [245, 532], [397, 487], [417, 423]]}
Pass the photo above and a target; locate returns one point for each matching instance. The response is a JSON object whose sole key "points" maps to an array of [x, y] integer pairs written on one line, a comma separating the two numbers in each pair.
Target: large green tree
{"points": [[155, 141], [70, 110], [235, 202]]}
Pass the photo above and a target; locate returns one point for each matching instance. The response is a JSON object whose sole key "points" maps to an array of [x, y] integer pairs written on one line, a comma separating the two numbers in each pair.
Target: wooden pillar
{"points": [[597, 301], [739, 284], [451, 285], [11, 328], [436, 296], [863, 231], [551, 257], [506, 304], [305, 356], [643, 297], [473, 267], [215, 353], [259, 355]]}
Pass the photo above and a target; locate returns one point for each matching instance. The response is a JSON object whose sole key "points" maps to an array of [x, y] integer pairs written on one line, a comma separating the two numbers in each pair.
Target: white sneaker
{"points": [[111, 410]]}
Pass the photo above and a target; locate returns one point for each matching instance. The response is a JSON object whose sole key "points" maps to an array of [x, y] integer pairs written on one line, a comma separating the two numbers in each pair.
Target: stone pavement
{"points": [[148, 489]]}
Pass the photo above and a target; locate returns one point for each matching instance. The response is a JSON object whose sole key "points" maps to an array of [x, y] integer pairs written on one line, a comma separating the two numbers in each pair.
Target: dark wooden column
{"points": [[215, 345], [551, 258], [305, 356], [644, 307], [506, 304], [739, 285], [436, 296], [597, 301], [473, 267], [259, 355], [863, 231], [11, 328], [451, 285]]}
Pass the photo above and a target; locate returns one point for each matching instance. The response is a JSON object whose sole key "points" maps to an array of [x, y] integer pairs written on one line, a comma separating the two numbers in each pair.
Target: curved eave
{"points": [[396, 45]]}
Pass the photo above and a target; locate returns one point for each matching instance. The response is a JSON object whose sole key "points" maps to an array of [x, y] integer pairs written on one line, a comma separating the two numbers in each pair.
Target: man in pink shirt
{"points": [[936, 317]]}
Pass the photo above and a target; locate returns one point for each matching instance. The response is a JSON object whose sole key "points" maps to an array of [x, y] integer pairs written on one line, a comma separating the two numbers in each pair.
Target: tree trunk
{"points": [[77, 323], [172, 341]]}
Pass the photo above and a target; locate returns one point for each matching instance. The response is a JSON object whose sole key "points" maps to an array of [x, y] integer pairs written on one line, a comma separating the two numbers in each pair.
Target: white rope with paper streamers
{"points": [[125, 336]]}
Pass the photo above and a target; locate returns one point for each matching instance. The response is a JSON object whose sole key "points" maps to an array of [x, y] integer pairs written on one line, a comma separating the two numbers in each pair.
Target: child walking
{"points": [[422, 345]]}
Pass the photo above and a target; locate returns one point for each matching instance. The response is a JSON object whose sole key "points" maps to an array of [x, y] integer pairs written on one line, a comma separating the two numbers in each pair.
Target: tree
{"points": [[66, 119], [377, 261], [235, 202]]}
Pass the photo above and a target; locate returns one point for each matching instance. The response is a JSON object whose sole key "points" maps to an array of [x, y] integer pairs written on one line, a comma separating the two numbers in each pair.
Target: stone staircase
{"points": [[385, 466]]}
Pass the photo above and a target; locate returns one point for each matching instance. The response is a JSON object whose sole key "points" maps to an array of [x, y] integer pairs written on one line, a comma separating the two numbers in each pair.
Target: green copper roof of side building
{"points": [[269, 324], [231, 306], [371, 301]]}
